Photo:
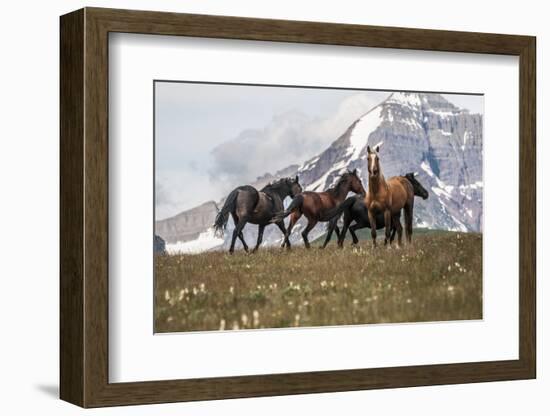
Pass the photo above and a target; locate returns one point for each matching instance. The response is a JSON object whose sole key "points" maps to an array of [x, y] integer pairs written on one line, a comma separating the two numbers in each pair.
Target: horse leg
{"points": [[238, 230], [387, 223], [372, 221], [310, 225], [409, 221], [331, 226], [260, 236], [342, 236], [281, 226], [355, 227], [396, 226], [241, 236], [294, 217]]}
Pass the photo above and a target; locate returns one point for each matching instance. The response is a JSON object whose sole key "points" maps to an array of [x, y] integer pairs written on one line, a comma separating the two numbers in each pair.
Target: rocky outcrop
{"points": [[187, 225], [159, 245]]}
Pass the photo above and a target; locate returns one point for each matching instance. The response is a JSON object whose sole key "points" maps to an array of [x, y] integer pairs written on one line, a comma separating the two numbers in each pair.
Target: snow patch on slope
{"points": [[464, 139], [443, 114], [363, 128], [205, 241], [310, 164], [426, 168], [405, 98]]}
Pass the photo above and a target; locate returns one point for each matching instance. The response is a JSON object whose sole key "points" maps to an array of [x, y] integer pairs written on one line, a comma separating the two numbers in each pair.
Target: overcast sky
{"points": [[210, 138]]}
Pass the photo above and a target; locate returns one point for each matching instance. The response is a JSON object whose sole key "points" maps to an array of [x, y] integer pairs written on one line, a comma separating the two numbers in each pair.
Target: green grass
{"points": [[364, 234], [438, 278]]}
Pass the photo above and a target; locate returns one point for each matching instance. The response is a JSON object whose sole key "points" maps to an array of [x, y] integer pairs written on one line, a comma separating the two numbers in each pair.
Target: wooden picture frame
{"points": [[84, 207]]}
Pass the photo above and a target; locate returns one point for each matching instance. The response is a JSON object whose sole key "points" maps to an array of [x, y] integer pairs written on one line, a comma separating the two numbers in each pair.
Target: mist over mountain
{"points": [[418, 132]]}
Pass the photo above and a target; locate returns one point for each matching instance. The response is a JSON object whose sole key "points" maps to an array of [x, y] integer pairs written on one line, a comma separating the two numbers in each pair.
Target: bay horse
{"points": [[354, 209], [248, 205], [315, 205], [388, 198]]}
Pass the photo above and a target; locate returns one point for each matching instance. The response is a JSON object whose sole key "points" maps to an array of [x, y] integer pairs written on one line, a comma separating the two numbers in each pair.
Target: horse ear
{"points": [[354, 172], [377, 148], [368, 149], [296, 179]]}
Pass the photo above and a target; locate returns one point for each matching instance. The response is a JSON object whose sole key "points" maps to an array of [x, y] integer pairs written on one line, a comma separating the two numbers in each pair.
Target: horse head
{"points": [[419, 190], [355, 182], [373, 161], [294, 185]]}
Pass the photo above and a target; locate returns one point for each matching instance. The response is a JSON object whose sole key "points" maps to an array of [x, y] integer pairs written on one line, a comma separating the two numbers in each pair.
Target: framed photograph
{"points": [[255, 207]]}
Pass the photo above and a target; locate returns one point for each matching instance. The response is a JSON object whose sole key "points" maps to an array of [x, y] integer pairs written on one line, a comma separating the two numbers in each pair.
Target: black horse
{"points": [[246, 204], [354, 209]]}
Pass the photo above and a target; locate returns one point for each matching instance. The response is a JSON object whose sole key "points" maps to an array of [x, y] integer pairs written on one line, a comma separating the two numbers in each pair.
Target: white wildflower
{"points": [[256, 318]]}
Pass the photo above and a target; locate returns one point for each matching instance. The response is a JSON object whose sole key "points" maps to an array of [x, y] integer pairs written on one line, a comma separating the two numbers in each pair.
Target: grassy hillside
{"points": [[438, 278]]}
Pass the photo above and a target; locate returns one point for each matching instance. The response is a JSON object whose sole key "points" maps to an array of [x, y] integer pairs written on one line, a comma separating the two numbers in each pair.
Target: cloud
{"points": [[289, 138], [177, 190], [189, 176]]}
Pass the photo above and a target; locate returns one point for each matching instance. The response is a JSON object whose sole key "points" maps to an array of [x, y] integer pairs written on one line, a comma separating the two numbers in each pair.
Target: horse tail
{"points": [[337, 211], [223, 215], [297, 202]]}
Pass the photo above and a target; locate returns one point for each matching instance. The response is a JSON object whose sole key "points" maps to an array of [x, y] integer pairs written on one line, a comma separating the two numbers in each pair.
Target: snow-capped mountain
{"points": [[419, 132]]}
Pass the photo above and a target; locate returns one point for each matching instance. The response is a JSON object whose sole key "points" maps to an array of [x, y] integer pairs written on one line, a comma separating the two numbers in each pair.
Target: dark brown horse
{"points": [[388, 198], [354, 209], [246, 204], [315, 205]]}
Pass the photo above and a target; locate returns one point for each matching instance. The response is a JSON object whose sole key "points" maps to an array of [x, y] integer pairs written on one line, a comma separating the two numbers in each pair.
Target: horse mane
{"points": [[274, 185], [336, 187]]}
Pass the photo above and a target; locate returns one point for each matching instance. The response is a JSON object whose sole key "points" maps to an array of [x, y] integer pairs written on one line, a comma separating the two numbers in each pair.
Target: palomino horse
{"points": [[354, 209], [246, 204], [315, 205], [388, 198]]}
